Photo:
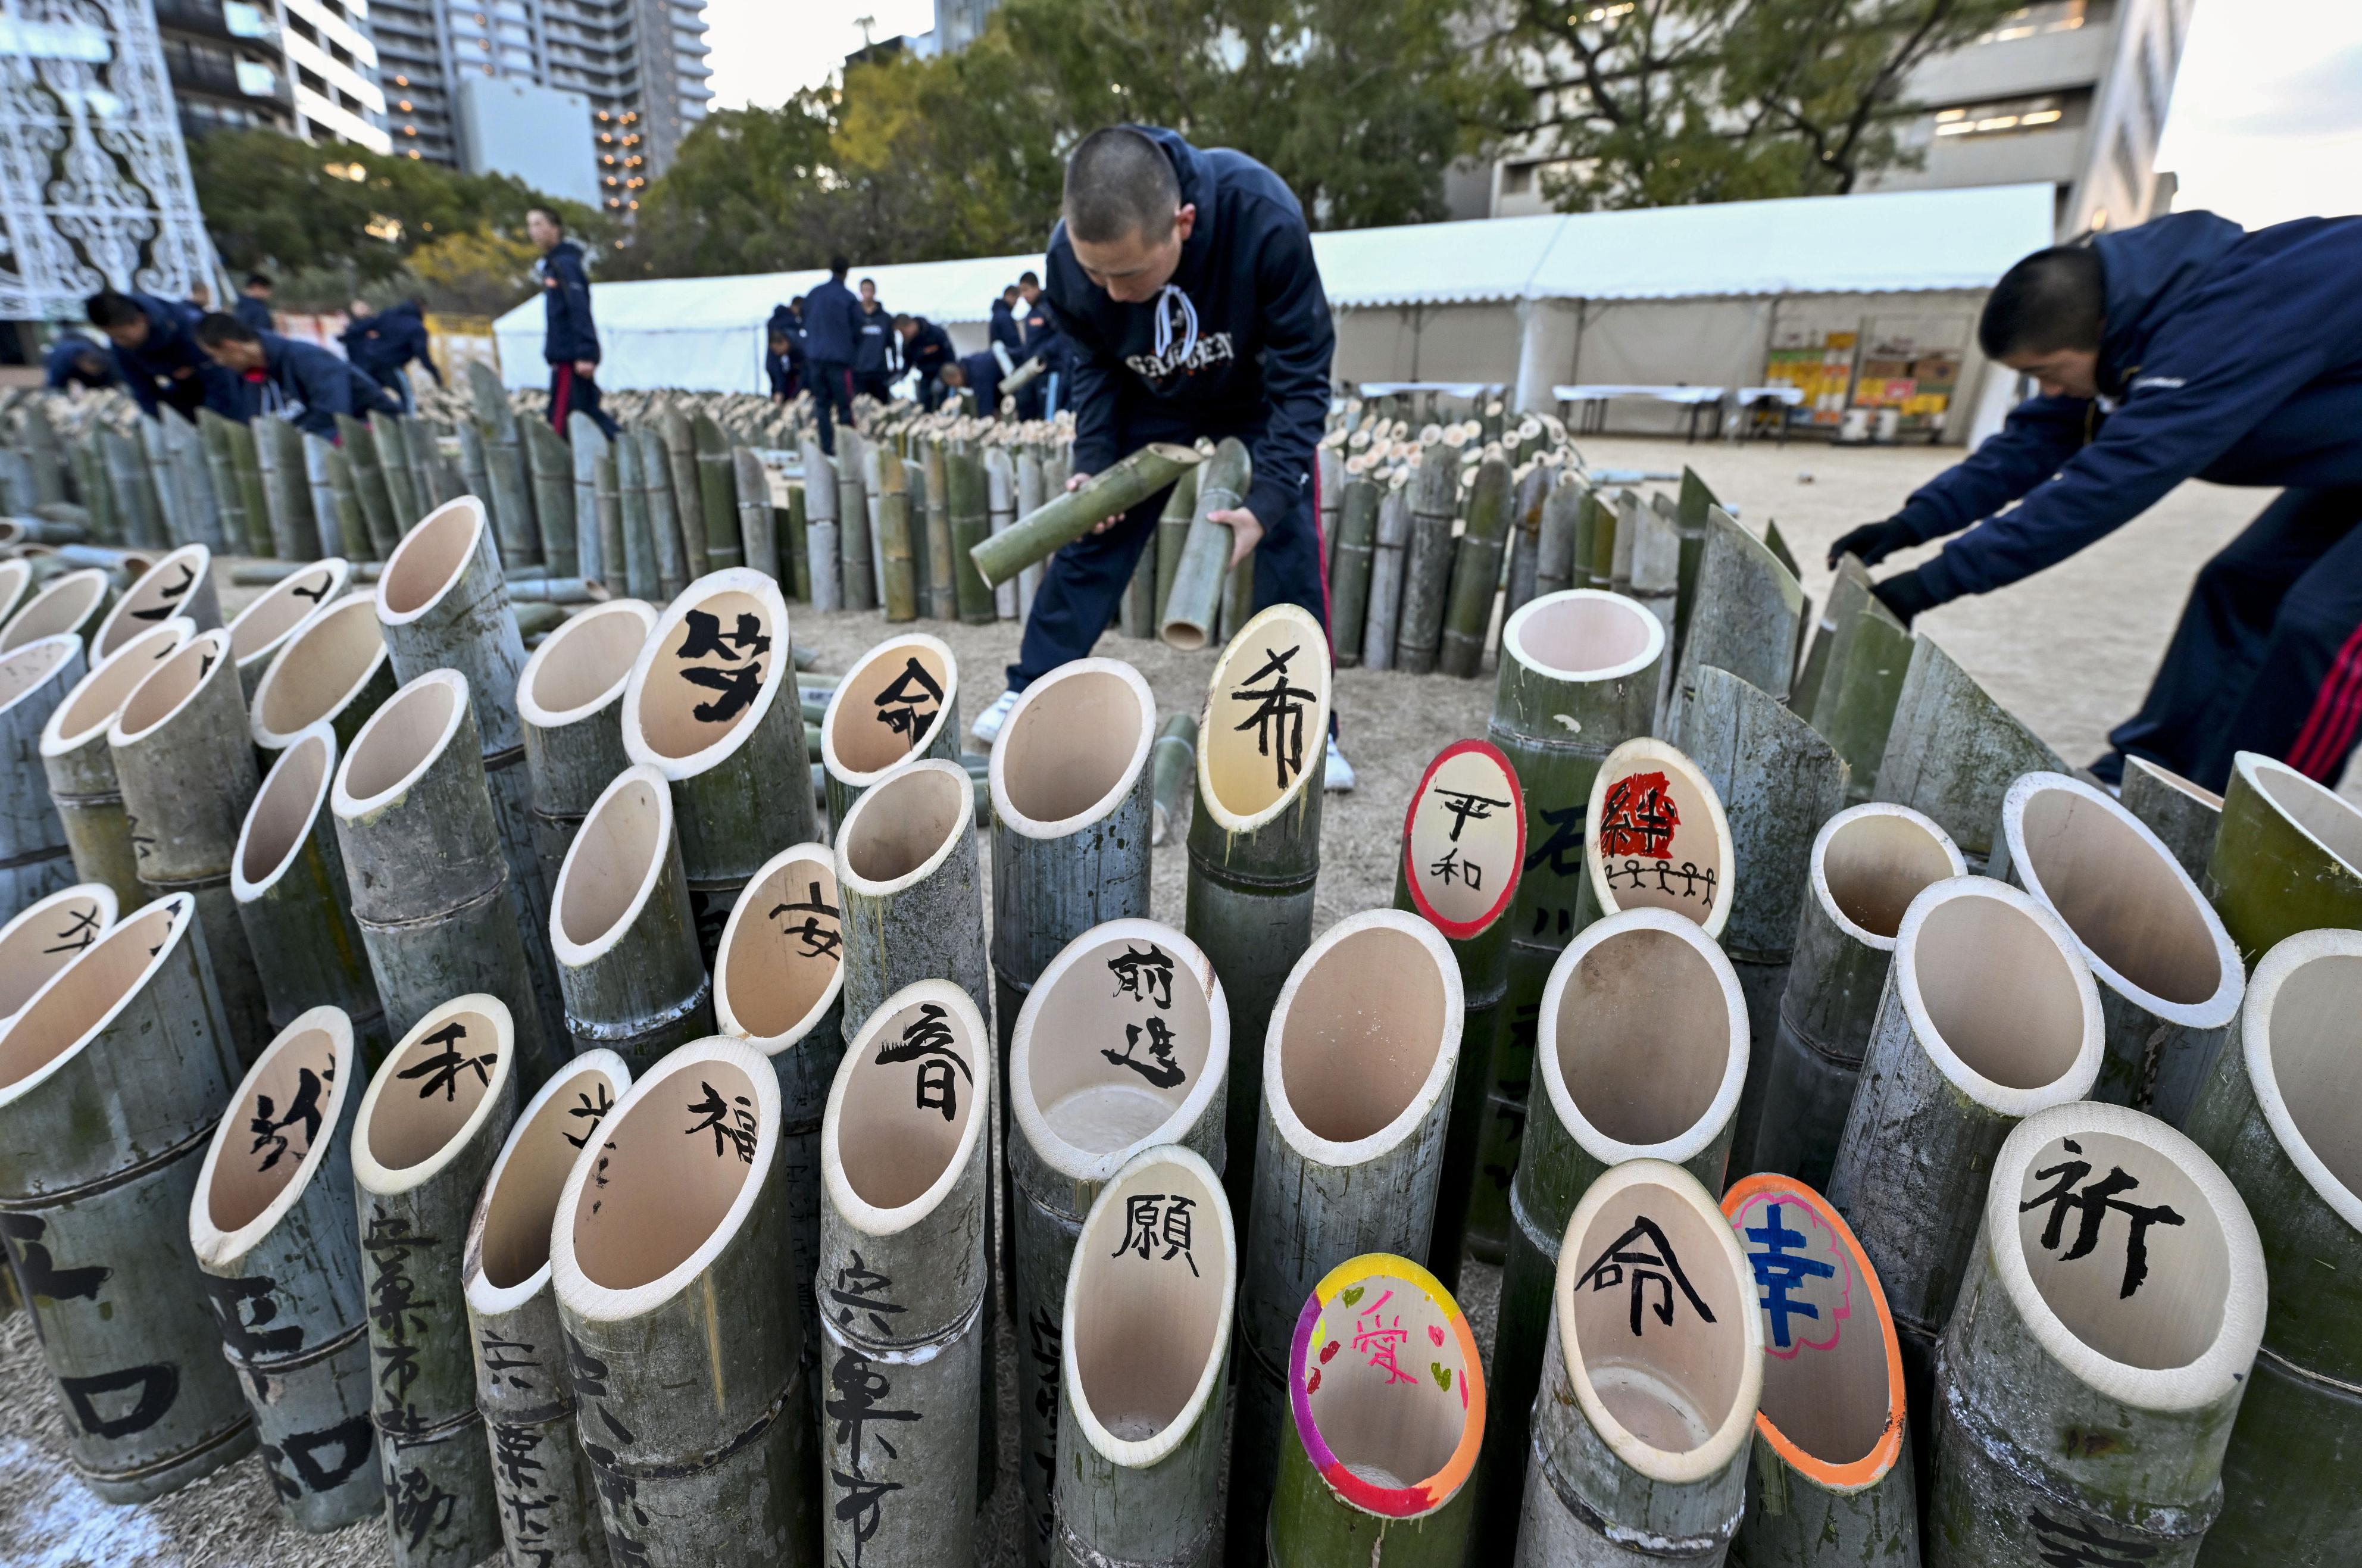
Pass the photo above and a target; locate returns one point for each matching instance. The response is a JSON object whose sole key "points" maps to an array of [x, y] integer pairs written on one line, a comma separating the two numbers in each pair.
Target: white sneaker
{"points": [[1338, 774], [986, 728]]}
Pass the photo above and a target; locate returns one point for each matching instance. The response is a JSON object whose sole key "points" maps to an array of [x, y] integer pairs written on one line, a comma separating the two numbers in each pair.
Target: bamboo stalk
{"points": [[213, 430], [795, 547], [1524, 572], [905, 1265], [702, 706], [1641, 1434], [434, 1119], [155, 452], [914, 480], [1744, 611], [1386, 561], [334, 669], [897, 580], [856, 573], [272, 1226], [1643, 1054], [664, 516], [47, 934], [1033, 487], [2184, 817], [548, 1497], [1254, 839], [1142, 1349], [1656, 838], [134, 488], [1849, 596], [293, 903], [325, 515], [2287, 859], [1477, 570], [2170, 979], [1655, 579], [1000, 499], [1349, 573], [1868, 658], [640, 574], [569, 704], [181, 584], [1866, 865], [900, 704], [553, 497], [1171, 537], [943, 560], [680, 443], [598, 510], [1596, 549], [970, 514], [1953, 750], [401, 485], [821, 545], [79, 769], [258, 632], [345, 501], [1201, 575], [1426, 563], [91, 479], [906, 869], [1067, 515], [110, 1080], [758, 523], [1238, 595], [717, 488], [2151, 1344], [1377, 1463], [358, 439], [621, 927], [431, 477], [1137, 612], [69, 605], [1172, 773]]}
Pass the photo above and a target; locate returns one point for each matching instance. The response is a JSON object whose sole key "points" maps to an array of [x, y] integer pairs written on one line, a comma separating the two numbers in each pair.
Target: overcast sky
{"points": [[2265, 123]]}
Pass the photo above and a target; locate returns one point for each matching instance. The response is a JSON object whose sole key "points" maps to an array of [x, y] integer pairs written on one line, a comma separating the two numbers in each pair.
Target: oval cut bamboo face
{"points": [[29, 668], [1358, 1030], [1584, 635], [901, 827], [1149, 1298], [1641, 1033], [2005, 997], [669, 1172], [1873, 860], [909, 1087], [706, 680], [1266, 715], [169, 686], [321, 666], [81, 996], [891, 705], [431, 556], [612, 860], [49, 935], [401, 738], [583, 664], [66, 605], [285, 807], [784, 952], [1385, 1387], [161, 592], [1077, 740], [431, 1087], [274, 1124], [1120, 1039], [262, 625], [15, 576], [520, 1201], [2325, 818], [91, 705], [1464, 838], [2310, 1065], [1658, 839]]}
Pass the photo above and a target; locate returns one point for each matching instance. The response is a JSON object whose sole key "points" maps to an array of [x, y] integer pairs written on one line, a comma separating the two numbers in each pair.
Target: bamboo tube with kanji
{"points": [[1952, 751], [898, 582], [335, 670], [1172, 775], [1988, 1015], [548, 1497], [1142, 1347], [898, 704], [856, 574], [678, 439], [569, 705], [598, 505], [663, 514], [904, 1265], [293, 902], [2169, 978], [181, 584], [554, 511], [1866, 864], [1832, 1479], [2288, 856], [1427, 559], [621, 930], [2184, 817], [69, 605], [1120, 1048], [1375, 1465], [758, 524], [1193, 606], [1643, 1429], [913, 900], [430, 886], [822, 550], [1642, 1054], [432, 1121], [1254, 839], [111, 1080], [1744, 611], [47, 934], [1477, 570], [640, 573], [1855, 704], [1657, 838], [271, 1225], [1067, 515], [1348, 569], [2149, 1340], [2278, 1116], [258, 632], [1172, 538], [710, 703], [358, 442], [1357, 1068], [77, 768]]}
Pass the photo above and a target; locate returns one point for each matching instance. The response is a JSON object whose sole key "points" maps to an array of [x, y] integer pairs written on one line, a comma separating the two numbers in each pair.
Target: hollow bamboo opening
{"points": [[282, 813], [1266, 716], [785, 950], [63, 606], [2121, 895], [901, 1121], [584, 663], [1875, 863], [93, 704], [159, 594], [706, 682], [2335, 825], [1583, 634], [169, 687], [1107, 1066], [287, 1101], [325, 662], [14, 574], [287, 604], [1998, 989], [29, 668], [1386, 1392], [662, 1196], [614, 860], [431, 1087], [2174, 781], [2310, 1032], [1831, 1395], [1073, 746], [905, 823], [400, 738], [431, 556], [78, 1001], [1642, 1036], [890, 706], [522, 1201], [1361, 1033], [1671, 1385], [48, 936], [1148, 1320]]}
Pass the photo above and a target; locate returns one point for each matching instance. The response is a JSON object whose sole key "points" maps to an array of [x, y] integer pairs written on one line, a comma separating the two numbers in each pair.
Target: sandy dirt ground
{"points": [[2070, 651]]}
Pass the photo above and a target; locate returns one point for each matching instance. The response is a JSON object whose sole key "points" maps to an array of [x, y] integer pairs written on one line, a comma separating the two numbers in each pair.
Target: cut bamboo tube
{"points": [[621, 930], [1832, 1481], [640, 573], [2279, 1115], [2287, 857], [1120, 1048], [325, 516], [1375, 1465], [898, 704], [16, 586], [1386, 561], [1254, 838], [401, 488], [79, 768], [914, 482], [1349, 572], [229, 496], [1201, 573], [1476, 570], [2144, 1333], [680, 441], [1657, 838], [1137, 614], [822, 547], [778, 984], [1849, 596], [334, 669], [757, 525], [293, 904], [1653, 1375], [1691, 507], [943, 559], [1744, 612], [47, 934], [898, 581], [1520, 571], [969, 506], [1142, 1343], [360, 444], [134, 491], [286, 490], [717, 488], [1173, 774], [271, 1225], [703, 707], [1642, 1054], [1856, 705], [856, 571], [1988, 1015], [69, 605], [111, 1079], [258, 632], [553, 497], [2170, 979], [1238, 596], [1067, 515], [905, 1269], [569, 706], [1656, 558], [430, 883], [1463, 845], [906, 867], [1866, 864], [181, 584], [1953, 750], [343, 501], [434, 1119], [598, 518], [548, 1497], [1426, 559], [1554, 564], [2184, 817], [664, 526], [1172, 536]]}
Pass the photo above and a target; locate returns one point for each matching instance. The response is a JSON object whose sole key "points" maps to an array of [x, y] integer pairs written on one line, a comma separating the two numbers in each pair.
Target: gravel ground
{"points": [[2071, 652]]}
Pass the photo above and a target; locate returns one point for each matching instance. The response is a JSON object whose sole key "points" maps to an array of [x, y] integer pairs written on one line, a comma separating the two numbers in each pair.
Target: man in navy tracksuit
{"points": [[978, 374], [285, 378], [156, 354], [874, 364], [2184, 348], [570, 338], [1038, 399], [784, 360], [1003, 327], [1184, 281], [74, 360], [926, 348], [384, 342], [832, 338], [252, 305]]}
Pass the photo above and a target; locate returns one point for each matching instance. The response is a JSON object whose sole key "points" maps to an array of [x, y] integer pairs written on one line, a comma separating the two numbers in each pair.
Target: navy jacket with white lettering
{"points": [[2229, 356], [1238, 344], [873, 353]]}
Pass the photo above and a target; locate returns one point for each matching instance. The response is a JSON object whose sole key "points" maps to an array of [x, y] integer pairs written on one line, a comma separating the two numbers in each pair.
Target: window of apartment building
{"points": [[350, 103], [2048, 16], [313, 80], [341, 55], [303, 29], [2012, 117]]}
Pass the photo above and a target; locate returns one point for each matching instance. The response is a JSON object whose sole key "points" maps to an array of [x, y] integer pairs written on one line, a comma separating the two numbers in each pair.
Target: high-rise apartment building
{"points": [[306, 67]]}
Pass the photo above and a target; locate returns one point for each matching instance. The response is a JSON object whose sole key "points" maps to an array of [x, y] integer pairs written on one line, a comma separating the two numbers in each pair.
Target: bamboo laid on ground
{"points": [[258, 632], [569, 705], [47, 934], [679, 440], [856, 572], [1831, 1480], [822, 547], [597, 509], [900, 704], [548, 1497], [1068, 514], [288, 883], [2169, 978], [1657, 838], [758, 524], [1642, 1054], [913, 902], [1427, 560], [1348, 569], [1254, 838], [1120, 1048], [77, 768], [2184, 817], [553, 497], [1866, 864], [1172, 775], [621, 930], [272, 1226], [1860, 683], [1477, 570], [971, 525], [905, 1267], [2287, 859], [181, 584], [1201, 575], [703, 706], [1744, 611], [1642, 1432], [1375, 1465], [111, 1082], [2146, 1334], [1386, 561], [2279, 1115], [640, 574], [898, 581], [68, 605], [1953, 750], [434, 1119], [358, 442], [335, 670]]}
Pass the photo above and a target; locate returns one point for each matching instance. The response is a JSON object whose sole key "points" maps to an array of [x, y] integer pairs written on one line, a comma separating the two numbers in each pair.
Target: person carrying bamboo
{"points": [[1182, 283]]}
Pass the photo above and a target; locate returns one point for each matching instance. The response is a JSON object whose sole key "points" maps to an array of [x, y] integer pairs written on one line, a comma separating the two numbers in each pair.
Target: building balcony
{"points": [[216, 19], [247, 82]]}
